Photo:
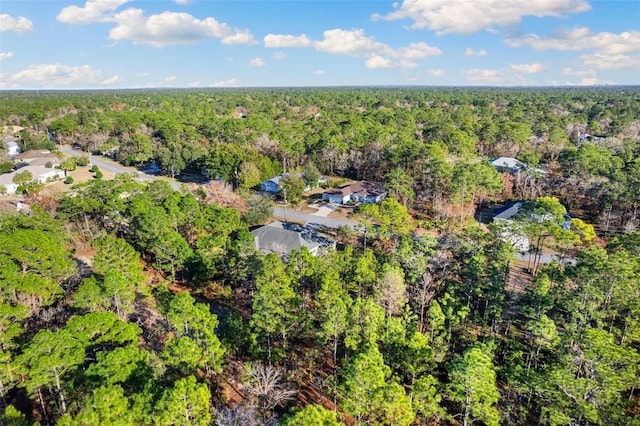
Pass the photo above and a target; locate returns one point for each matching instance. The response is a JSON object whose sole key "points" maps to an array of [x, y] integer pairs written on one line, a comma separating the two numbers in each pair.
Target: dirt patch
{"points": [[79, 175]]}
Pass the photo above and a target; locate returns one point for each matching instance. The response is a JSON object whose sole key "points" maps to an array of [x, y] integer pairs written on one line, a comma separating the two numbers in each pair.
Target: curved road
{"points": [[112, 166]]}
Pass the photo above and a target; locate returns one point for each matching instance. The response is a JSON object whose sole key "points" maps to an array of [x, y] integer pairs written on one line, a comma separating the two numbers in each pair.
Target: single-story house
{"points": [[13, 148], [6, 182], [39, 173], [510, 233], [357, 192], [586, 137], [513, 165], [283, 238], [273, 185]]}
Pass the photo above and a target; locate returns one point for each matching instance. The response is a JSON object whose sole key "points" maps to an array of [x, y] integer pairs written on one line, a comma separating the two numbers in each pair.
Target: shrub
{"points": [[68, 180], [98, 175], [94, 169], [82, 161]]}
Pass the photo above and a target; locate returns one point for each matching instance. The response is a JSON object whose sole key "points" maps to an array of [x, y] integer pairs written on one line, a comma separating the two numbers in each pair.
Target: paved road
{"points": [[310, 218], [112, 166]]}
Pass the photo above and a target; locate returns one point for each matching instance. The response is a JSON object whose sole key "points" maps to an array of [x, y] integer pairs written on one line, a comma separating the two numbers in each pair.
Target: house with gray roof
{"points": [[357, 192], [282, 238], [513, 166]]}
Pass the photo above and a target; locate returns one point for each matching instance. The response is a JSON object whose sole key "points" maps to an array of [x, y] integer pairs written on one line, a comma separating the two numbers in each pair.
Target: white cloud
{"points": [[257, 63], [581, 38], [319, 72], [283, 40], [5, 55], [470, 52], [578, 73], [527, 68], [19, 24], [378, 55], [418, 51], [495, 77], [467, 17], [611, 62], [92, 11], [356, 43], [232, 82], [170, 78], [55, 76], [112, 80], [610, 51], [181, 1], [376, 61], [350, 42], [239, 37], [278, 56], [436, 72], [169, 28]]}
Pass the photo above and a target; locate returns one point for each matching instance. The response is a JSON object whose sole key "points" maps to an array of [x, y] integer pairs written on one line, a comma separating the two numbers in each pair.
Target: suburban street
{"points": [[112, 166]]}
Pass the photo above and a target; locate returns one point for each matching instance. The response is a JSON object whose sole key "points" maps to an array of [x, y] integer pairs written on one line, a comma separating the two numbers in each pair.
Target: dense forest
{"points": [[125, 302]]}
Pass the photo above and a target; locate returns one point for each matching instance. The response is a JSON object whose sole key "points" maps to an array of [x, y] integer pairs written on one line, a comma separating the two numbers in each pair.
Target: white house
{"points": [[7, 185], [357, 192], [12, 148], [510, 230], [40, 173], [273, 185], [513, 165], [282, 238]]}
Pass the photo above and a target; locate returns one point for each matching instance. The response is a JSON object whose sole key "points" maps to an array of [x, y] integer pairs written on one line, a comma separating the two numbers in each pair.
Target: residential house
{"points": [[38, 157], [356, 192], [273, 185], [282, 238], [511, 232], [12, 148], [513, 166], [6, 184], [39, 173]]}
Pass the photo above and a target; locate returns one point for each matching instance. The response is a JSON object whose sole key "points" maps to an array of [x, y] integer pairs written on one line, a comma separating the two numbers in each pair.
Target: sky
{"points": [[108, 44]]}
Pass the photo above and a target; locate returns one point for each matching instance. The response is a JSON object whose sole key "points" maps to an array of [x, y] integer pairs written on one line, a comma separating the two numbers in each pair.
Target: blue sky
{"points": [[106, 44]]}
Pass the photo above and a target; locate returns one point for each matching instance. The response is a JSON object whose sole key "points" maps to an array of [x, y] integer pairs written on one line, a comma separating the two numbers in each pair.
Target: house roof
{"points": [[275, 238], [363, 188], [511, 209], [508, 162], [6, 179], [34, 153]]}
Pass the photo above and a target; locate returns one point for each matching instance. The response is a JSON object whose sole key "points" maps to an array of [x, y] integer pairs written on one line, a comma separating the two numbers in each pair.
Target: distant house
{"points": [[513, 166], [6, 182], [357, 192], [586, 137], [510, 232], [13, 148], [272, 185], [283, 238], [38, 157], [40, 173]]}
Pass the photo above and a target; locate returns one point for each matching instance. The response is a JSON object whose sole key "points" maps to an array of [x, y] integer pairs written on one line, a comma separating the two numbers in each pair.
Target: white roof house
{"points": [[6, 181], [39, 173], [12, 148], [513, 165]]}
